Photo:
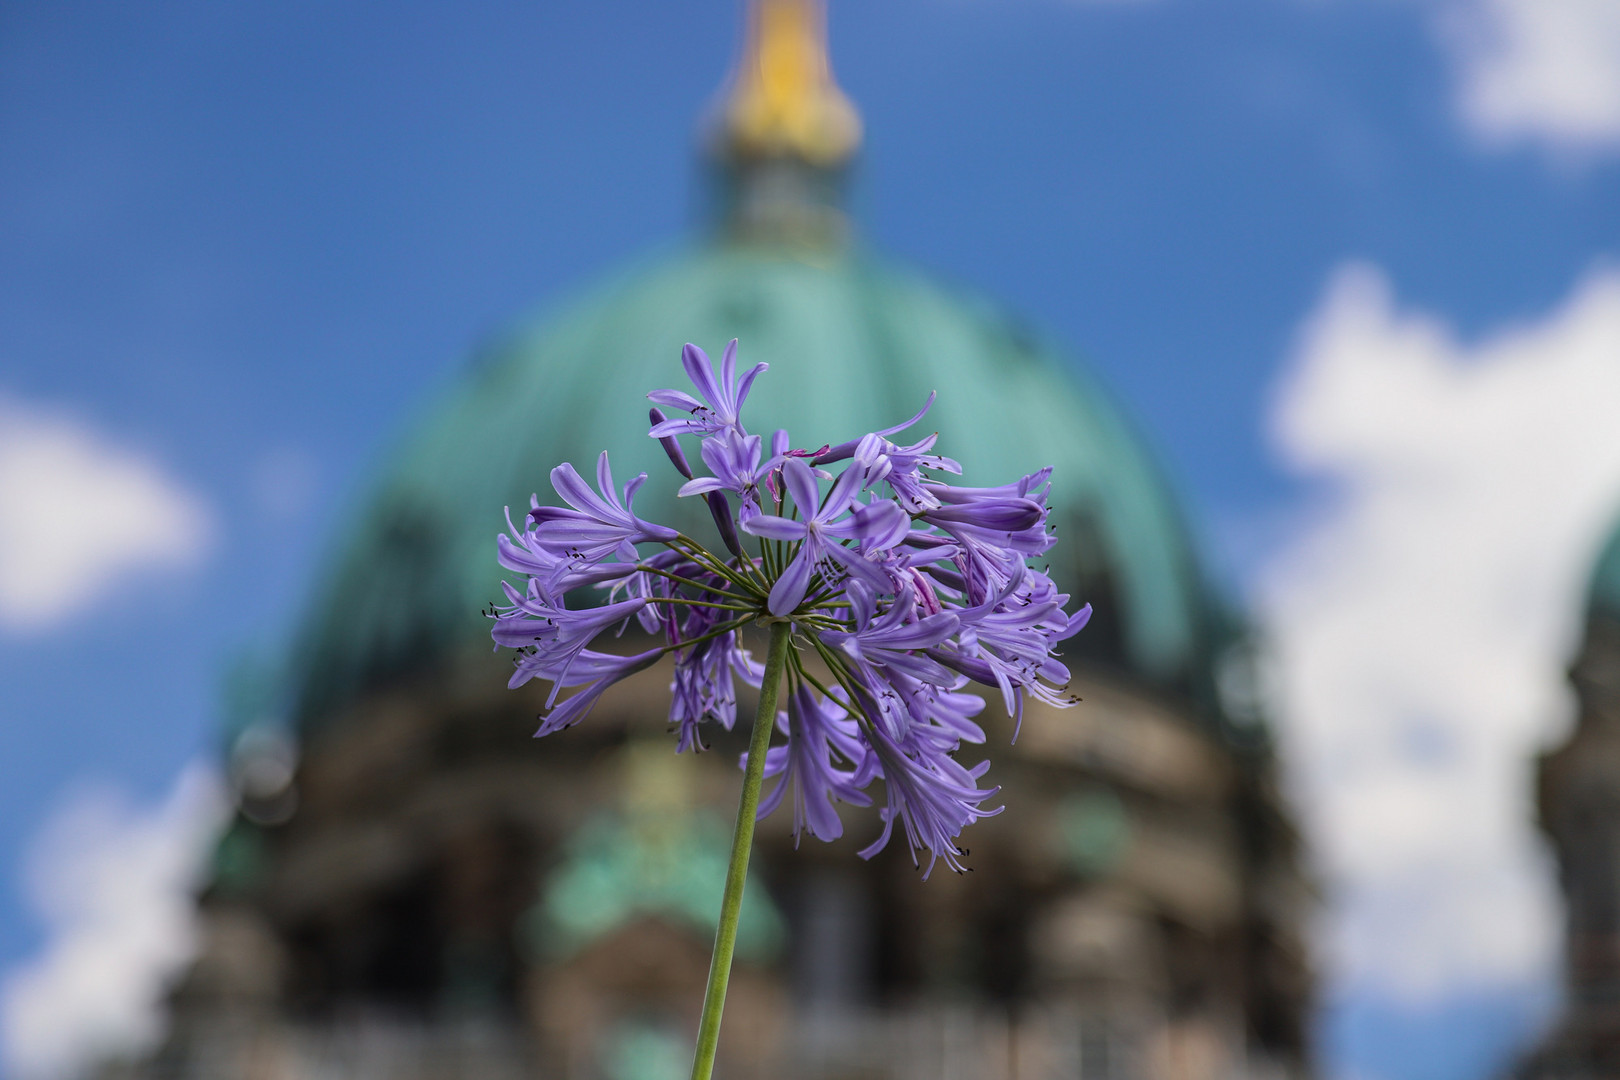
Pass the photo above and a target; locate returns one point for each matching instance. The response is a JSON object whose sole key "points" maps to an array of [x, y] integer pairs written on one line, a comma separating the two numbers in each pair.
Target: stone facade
{"points": [[450, 897]]}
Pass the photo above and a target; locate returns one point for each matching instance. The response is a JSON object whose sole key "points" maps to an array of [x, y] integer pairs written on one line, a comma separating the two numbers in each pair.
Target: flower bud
{"points": [[671, 445]]}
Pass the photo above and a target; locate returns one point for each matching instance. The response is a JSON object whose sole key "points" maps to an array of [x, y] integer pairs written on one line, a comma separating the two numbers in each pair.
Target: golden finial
{"points": [[783, 102]]}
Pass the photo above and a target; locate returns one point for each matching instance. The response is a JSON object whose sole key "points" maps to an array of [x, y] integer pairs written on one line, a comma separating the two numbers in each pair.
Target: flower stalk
{"points": [[742, 843]]}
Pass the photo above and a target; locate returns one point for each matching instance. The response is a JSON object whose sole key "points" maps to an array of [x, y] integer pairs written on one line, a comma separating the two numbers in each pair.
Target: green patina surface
{"points": [[854, 344], [671, 865], [1604, 594]]}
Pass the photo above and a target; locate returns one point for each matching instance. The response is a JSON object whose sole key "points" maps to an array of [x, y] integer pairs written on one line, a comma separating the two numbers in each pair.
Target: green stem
{"points": [[742, 842]]}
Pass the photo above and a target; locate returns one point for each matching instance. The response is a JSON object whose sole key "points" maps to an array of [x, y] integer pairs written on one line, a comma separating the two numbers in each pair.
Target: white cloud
{"points": [[78, 514], [1422, 623], [113, 884], [1546, 70]]}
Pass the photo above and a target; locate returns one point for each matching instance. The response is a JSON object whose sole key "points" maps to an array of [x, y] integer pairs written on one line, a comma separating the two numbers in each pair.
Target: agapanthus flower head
{"points": [[898, 591]]}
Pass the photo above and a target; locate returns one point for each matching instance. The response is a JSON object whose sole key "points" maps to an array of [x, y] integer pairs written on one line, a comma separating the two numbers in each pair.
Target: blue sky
{"points": [[241, 246]]}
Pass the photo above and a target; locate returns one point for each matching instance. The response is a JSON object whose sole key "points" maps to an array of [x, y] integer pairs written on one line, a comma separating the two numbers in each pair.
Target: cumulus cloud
{"points": [[113, 883], [1421, 622], [1546, 70], [78, 514]]}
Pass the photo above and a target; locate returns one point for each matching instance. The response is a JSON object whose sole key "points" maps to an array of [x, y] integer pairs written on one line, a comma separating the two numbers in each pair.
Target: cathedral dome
{"points": [[854, 344]]}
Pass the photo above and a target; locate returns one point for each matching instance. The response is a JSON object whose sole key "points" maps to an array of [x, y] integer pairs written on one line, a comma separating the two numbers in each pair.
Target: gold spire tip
{"points": [[783, 102]]}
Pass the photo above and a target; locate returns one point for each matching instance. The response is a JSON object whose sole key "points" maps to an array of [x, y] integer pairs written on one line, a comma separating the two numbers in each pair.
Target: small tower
{"points": [[1578, 798]]}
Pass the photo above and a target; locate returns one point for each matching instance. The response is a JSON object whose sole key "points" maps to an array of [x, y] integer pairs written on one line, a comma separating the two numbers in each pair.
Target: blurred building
{"points": [[1578, 799], [414, 888]]}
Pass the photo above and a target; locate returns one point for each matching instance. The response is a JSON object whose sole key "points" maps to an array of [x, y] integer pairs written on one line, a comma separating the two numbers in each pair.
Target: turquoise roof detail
{"points": [[671, 866], [1604, 592], [854, 343]]}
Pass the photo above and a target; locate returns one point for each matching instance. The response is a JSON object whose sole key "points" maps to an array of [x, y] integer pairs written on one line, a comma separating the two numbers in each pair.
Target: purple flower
{"points": [[933, 796], [704, 687], [989, 515], [734, 461], [597, 671], [1007, 642], [899, 466], [1011, 517], [902, 587], [845, 450], [646, 579], [818, 732], [722, 398], [892, 643], [880, 524], [522, 552], [548, 635], [597, 525], [937, 712]]}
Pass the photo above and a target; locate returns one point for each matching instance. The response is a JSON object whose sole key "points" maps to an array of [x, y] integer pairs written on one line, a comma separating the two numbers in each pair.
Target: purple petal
{"points": [[772, 798], [728, 372], [820, 819], [1077, 622], [880, 526], [847, 449], [604, 477], [632, 487], [843, 492], [748, 383], [573, 490], [865, 569], [679, 426], [701, 372], [556, 513], [801, 484], [789, 590], [922, 633], [922, 412], [998, 515], [775, 528], [675, 399], [921, 668]]}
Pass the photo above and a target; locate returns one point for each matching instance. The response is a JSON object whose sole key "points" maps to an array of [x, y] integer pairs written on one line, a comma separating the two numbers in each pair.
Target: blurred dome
{"points": [[854, 345]]}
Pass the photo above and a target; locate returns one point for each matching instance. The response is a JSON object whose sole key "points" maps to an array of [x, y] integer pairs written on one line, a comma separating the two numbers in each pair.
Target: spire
{"points": [[783, 133], [783, 102]]}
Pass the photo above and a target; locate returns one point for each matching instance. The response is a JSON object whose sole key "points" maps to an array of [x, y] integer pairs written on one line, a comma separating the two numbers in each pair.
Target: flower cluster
{"points": [[899, 589]]}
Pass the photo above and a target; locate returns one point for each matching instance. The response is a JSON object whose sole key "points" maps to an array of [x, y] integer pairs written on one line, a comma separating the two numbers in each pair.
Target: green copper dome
{"points": [[854, 344]]}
